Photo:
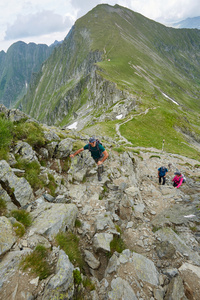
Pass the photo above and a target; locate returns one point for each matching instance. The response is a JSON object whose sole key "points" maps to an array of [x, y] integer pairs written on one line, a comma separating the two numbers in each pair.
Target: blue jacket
{"points": [[162, 171]]}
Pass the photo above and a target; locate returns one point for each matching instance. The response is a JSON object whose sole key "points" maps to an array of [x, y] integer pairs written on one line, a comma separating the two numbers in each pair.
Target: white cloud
{"points": [[37, 24], [36, 18]]}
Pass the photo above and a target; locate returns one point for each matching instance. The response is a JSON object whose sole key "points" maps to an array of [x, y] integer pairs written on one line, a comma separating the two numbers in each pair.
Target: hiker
{"points": [[98, 153], [177, 180], [162, 173]]}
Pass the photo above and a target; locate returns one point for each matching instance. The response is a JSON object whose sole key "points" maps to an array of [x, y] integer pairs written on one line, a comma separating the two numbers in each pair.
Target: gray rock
{"points": [[62, 284], [167, 234], [170, 272], [10, 263], [51, 148], [64, 148], [48, 197], [165, 250], [49, 219], [7, 235], [104, 222], [44, 153], [101, 241], [18, 189], [145, 269], [26, 151], [121, 290], [176, 290], [91, 260], [113, 264], [36, 239], [190, 274]]}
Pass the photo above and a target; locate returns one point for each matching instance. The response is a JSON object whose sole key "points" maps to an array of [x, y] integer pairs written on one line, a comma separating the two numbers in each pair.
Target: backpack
{"points": [[97, 144]]}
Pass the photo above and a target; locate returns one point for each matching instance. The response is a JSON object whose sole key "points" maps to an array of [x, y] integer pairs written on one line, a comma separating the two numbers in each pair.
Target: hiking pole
{"points": [[163, 142]]}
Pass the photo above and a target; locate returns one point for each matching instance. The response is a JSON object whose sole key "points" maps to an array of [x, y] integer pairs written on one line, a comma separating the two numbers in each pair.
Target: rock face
{"points": [[49, 219], [7, 236], [17, 188], [139, 240], [16, 66]]}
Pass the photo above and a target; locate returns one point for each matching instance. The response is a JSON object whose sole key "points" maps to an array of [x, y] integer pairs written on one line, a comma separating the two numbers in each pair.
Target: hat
{"points": [[92, 140], [177, 173]]}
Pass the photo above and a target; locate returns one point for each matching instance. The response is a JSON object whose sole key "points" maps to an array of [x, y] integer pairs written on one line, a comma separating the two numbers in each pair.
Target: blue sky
{"points": [[44, 21]]}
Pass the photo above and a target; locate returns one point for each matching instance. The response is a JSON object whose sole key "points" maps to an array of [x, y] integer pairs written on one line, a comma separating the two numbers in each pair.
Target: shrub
{"points": [[3, 207], [77, 277], [78, 223], [31, 133], [52, 185], [117, 244], [37, 262], [32, 171], [22, 216], [19, 229], [69, 242], [6, 129], [154, 156], [87, 283]]}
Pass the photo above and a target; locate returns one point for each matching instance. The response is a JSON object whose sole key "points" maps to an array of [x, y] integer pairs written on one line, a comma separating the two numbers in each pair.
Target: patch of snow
{"points": [[119, 117], [170, 98], [73, 126], [190, 216]]}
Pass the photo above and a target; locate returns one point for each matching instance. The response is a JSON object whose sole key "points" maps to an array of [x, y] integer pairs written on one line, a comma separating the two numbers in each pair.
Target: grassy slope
{"points": [[147, 68], [146, 59]]}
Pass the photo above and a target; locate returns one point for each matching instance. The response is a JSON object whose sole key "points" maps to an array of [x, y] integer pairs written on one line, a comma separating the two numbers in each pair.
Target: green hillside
{"points": [[113, 50]]}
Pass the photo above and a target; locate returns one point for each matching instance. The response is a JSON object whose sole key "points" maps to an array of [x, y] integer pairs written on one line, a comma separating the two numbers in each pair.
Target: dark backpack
{"points": [[97, 144]]}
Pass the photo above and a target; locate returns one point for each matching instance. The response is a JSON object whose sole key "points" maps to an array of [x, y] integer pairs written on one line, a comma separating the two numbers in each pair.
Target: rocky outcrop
{"points": [[139, 240], [7, 238], [17, 188]]}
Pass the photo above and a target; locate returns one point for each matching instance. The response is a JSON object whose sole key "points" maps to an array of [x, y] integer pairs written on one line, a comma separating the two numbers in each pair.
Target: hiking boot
{"points": [[99, 171], [99, 177]]}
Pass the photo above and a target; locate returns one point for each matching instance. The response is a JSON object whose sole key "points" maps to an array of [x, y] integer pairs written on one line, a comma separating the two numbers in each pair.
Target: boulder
{"points": [[167, 234], [50, 218], [25, 151], [190, 275], [64, 148], [7, 235], [18, 189], [91, 260], [61, 285], [121, 289], [101, 241]]}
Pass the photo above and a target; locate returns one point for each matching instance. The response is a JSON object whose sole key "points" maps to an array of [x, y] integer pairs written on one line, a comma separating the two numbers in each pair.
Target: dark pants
{"points": [[162, 178], [99, 158]]}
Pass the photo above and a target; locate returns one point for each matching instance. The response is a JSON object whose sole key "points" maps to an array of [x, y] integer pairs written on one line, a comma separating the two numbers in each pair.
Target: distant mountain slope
{"points": [[16, 68], [114, 62], [188, 23]]}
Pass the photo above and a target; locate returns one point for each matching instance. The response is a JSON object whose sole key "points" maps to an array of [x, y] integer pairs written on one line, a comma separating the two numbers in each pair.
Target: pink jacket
{"points": [[178, 180]]}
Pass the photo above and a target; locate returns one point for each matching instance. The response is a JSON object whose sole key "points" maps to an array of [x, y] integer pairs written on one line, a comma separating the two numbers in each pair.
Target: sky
{"points": [[44, 21]]}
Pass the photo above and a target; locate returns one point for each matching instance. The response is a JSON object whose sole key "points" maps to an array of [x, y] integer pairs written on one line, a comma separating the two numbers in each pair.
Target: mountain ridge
{"points": [[115, 60], [16, 68]]}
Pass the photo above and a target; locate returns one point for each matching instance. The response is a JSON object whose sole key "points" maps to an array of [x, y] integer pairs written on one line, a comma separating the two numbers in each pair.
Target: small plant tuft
{"points": [[22, 216], [19, 229], [3, 207], [117, 244], [37, 262], [78, 223], [69, 242]]}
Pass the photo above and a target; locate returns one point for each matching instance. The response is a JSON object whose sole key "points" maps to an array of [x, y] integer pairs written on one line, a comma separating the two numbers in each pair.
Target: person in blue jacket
{"points": [[162, 173]]}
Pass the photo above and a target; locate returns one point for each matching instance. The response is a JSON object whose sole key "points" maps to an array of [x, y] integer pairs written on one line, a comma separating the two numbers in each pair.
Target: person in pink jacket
{"points": [[177, 180]]}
